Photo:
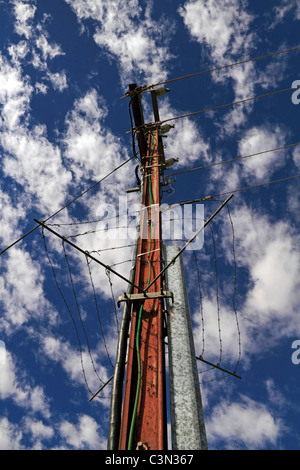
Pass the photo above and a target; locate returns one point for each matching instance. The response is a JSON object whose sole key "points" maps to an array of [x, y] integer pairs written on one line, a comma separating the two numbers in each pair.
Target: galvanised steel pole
{"points": [[187, 419]]}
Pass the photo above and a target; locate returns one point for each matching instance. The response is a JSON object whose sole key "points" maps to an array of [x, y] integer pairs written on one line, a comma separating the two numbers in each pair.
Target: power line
{"points": [[68, 309], [217, 293], [234, 290], [231, 160], [257, 185], [226, 105], [207, 198], [79, 312], [222, 67], [66, 205], [86, 253], [97, 309]]}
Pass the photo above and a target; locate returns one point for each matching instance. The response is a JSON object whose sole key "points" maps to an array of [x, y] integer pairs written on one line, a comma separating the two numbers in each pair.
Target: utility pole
{"points": [[143, 421], [187, 419], [140, 421]]}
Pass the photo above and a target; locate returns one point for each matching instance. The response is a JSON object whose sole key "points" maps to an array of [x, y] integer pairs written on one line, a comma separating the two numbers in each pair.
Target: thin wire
{"points": [[217, 293], [79, 314], [66, 205], [232, 160], [223, 67], [257, 185], [97, 309], [209, 198], [234, 291], [107, 272], [201, 299], [226, 105], [68, 309]]}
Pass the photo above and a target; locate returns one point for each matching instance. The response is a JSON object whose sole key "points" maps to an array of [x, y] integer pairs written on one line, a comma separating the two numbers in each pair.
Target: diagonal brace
{"points": [[86, 253], [190, 241]]}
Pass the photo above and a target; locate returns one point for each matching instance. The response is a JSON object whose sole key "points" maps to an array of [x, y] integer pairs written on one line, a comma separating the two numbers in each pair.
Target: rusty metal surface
{"points": [[150, 421]]}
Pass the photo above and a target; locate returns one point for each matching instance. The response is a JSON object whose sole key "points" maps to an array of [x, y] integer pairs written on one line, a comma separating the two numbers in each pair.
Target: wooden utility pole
{"points": [[143, 422]]}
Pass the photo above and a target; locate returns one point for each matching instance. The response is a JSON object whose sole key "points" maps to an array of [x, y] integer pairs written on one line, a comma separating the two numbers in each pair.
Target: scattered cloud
{"points": [[286, 7], [24, 13], [16, 385], [128, 32], [83, 434], [269, 251], [243, 424], [255, 140], [222, 26], [22, 290], [10, 435]]}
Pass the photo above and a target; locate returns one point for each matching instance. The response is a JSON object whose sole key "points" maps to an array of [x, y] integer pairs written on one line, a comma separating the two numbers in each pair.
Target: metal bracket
{"points": [[142, 297]]}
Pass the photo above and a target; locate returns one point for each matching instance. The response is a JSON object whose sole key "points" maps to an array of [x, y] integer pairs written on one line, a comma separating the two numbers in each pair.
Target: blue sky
{"points": [[64, 64]]}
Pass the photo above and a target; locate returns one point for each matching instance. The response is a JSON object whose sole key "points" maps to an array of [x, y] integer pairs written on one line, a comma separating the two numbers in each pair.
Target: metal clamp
{"points": [[145, 296]]}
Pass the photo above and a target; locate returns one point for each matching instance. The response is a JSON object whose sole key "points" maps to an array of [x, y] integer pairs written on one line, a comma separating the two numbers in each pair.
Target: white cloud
{"points": [[220, 333], [226, 30], [275, 278], [22, 290], [270, 253], [223, 26], [276, 397], [184, 140], [10, 435], [84, 434], [70, 359], [24, 12], [49, 51], [31, 160], [296, 157], [128, 32], [38, 430], [244, 423], [91, 147], [282, 10], [36, 48], [257, 139], [15, 94], [11, 213], [18, 51], [17, 386], [58, 80]]}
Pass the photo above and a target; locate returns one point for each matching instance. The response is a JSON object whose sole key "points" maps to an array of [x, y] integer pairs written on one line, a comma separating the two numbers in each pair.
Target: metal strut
{"points": [[142, 297]]}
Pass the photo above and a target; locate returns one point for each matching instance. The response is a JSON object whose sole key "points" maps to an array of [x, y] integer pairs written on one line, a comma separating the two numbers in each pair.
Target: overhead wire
{"points": [[201, 356], [134, 156], [212, 197], [200, 298], [226, 105], [79, 313], [97, 310], [66, 205], [68, 309], [217, 294], [107, 272], [234, 292], [232, 160], [222, 67]]}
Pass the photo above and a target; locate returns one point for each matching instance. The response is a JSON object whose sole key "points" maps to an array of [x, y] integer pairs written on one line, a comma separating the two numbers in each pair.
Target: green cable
{"points": [[137, 344]]}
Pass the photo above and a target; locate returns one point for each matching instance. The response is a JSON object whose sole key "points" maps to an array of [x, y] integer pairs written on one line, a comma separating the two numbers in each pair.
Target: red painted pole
{"points": [[143, 423]]}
